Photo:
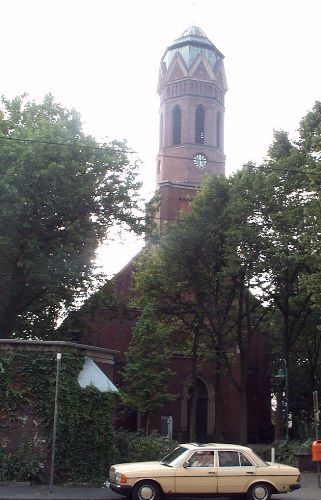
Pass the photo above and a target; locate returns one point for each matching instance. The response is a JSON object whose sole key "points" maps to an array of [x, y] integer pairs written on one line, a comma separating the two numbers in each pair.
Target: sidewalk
{"points": [[24, 492], [309, 491]]}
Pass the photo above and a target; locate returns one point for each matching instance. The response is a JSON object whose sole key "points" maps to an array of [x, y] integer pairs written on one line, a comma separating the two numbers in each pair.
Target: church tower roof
{"points": [[190, 45]]}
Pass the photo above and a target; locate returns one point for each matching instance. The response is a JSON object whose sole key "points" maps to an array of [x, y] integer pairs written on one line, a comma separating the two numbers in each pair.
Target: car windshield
{"points": [[175, 456]]}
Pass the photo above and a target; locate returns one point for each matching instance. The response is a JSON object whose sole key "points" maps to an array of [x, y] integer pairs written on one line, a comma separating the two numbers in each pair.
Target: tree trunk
{"points": [[219, 408], [139, 421], [193, 406], [147, 424], [192, 423], [243, 365]]}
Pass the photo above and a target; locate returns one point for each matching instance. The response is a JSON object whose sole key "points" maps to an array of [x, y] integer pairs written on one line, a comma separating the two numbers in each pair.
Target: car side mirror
{"points": [[186, 464]]}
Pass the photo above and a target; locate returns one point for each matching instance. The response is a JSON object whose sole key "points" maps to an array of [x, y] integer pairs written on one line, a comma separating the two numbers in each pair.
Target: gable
{"points": [[201, 69], [201, 72], [177, 69]]}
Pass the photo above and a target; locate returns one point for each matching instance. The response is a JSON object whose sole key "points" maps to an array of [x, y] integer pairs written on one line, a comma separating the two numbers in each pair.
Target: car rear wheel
{"points": [[146, 490], [259, 491]]}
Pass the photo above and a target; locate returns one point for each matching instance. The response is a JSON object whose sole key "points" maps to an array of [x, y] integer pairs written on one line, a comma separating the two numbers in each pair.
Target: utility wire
{"points": [[83, 146], [113, 149], [53, 143]]}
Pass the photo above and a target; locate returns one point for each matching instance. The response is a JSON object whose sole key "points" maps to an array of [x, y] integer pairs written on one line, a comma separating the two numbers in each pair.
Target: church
{"points": [[191, 86]]}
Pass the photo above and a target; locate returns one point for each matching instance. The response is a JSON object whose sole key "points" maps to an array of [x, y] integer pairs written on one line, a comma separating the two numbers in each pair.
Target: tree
{"points": [[281, 199], [146, 374], [60, 194], [248, 256], [198, 281]]}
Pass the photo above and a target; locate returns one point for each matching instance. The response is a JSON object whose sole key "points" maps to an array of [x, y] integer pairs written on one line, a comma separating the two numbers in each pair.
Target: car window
{"points": [[245, 462], [202, 459], [228, 458]]}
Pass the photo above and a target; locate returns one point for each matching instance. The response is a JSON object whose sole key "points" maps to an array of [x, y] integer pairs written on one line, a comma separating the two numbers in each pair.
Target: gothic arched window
{"points": [[199, 125], [218, 130], [177, 125]]}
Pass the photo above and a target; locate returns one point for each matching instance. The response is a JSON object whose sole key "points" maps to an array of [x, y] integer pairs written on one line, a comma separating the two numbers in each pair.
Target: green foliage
{"points": [[60, 193], [146, 374], [26, 463], [197, 284], [136, 447], [285, 452], [283, 200], [85, 443], [256, 233]]}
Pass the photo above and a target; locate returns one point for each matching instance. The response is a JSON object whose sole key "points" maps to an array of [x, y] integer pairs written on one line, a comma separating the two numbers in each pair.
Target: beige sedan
{"points": [[222, 470]]}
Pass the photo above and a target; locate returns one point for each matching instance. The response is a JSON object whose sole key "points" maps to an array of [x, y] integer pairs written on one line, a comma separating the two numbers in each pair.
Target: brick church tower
{"points": [[191, 87]]}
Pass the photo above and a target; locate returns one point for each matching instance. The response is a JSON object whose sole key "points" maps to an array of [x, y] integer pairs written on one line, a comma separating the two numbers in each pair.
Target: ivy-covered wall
{"points": [[85, 435]]}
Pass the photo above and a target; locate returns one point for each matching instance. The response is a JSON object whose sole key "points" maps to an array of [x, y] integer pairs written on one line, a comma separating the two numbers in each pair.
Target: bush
{"points": [[24, 464], [285, 452], [136, 447]]}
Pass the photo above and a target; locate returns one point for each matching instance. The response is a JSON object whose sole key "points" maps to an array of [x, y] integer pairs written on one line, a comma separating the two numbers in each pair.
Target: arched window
{"points": [[177, 125], [218, 130], [199, 125]]}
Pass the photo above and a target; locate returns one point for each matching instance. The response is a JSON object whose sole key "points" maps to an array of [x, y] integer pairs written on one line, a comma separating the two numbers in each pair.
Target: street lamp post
{"points": [[54, 431], [283, 373]]}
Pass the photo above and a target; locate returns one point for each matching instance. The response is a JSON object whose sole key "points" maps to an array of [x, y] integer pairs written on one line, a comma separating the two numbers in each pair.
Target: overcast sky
{"points": [[102, 58]]}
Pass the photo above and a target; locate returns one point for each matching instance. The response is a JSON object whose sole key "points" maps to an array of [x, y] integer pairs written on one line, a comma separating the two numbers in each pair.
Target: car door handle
{"points": [[250, 472], [211, 472]]}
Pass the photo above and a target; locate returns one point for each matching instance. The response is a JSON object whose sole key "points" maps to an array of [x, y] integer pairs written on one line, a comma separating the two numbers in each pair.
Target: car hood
{"points": [[138, 467]]}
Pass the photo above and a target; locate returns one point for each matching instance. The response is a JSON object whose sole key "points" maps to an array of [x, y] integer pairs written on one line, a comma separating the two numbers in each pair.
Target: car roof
{"points": [[225, 446]]}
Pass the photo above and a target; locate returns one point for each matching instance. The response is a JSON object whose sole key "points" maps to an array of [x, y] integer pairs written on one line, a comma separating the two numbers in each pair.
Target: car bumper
{"points": [[121, 489], [295, 486]]}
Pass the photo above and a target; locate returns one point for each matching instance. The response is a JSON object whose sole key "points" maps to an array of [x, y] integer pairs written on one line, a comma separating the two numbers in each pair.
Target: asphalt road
{"points": [[310, 490]]}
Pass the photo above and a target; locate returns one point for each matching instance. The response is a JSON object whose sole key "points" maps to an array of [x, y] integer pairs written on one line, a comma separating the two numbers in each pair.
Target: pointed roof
{"points": [[190, 45]]}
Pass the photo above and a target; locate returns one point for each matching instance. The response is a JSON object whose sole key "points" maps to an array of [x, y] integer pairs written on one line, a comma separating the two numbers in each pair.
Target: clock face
{"points": [[199, 160]]}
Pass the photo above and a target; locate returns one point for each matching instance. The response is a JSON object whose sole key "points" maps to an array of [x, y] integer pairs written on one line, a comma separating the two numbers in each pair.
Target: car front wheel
{"points": [[259, 491], [146, 490]]}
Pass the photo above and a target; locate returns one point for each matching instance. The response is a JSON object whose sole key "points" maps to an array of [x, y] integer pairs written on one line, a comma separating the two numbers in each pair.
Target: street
{"points": [[22, 491]]}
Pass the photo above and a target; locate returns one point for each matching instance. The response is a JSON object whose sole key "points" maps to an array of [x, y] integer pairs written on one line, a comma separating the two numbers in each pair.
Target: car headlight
{"points": [[120, 478]]}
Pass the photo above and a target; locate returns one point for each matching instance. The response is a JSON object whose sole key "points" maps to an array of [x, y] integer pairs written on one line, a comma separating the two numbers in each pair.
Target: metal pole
{"points": [[286, 402], [54, 430], [316, 413], [316, 427]]}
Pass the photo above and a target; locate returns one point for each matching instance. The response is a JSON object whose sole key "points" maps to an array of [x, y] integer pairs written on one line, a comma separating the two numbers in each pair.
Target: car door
{"points": [[198, 474], [235, 472]]}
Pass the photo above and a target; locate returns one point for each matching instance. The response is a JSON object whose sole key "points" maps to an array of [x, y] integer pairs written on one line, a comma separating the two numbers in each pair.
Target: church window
{"points": [[218, 130], [199, 125], [177, 125]]}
